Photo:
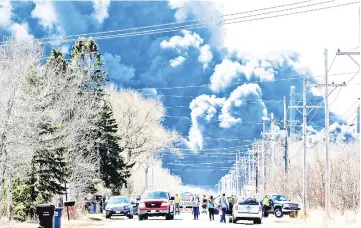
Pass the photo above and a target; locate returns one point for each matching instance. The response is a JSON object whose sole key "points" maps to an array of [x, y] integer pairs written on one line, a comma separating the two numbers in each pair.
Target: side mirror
{"points": [[171, 198]]}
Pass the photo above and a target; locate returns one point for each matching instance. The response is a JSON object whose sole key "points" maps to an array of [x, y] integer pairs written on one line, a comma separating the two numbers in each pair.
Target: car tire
{"points": [[141, 217], [108, 216], [257, 221], [130, 217], [278, 212], [234, 220]]}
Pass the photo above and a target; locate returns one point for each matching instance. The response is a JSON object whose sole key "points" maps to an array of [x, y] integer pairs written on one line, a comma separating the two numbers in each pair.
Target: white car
{"points": [[247, 208]]}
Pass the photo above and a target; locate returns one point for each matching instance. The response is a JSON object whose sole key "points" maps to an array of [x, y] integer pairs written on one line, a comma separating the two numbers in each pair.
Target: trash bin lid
{"points": [[45, 205], [45, 208]]}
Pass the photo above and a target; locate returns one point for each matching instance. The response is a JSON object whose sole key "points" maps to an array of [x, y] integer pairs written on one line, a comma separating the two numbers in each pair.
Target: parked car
{"points": [[135, 202], [247, 208], [280, 205], [156, 204], [119, 206]]}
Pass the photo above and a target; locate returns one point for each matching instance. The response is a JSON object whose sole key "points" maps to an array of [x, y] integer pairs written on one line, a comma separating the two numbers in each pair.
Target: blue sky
{"points": [[218, 60]]}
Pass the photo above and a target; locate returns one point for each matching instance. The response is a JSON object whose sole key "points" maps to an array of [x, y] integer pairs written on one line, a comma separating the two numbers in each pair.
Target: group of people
{"points": [[208, 206]]}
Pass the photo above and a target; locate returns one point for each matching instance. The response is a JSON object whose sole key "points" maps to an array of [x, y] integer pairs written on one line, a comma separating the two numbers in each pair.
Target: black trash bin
{"points": [[45, 214]]}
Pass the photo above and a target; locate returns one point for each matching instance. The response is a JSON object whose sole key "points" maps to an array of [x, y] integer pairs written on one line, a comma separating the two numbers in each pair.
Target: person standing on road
{"points": [[224, 205], [204, 204], [177, 202], [266, 205], [211, 208], [195, 202]]}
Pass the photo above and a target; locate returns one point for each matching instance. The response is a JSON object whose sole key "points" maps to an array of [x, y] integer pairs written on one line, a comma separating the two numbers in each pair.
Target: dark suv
{"points": [[156, 204], [280, 205]]}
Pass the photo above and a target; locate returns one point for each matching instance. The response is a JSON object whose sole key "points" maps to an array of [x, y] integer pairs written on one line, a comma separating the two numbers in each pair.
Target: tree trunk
{"points": [[9, 196], [2, 182]]}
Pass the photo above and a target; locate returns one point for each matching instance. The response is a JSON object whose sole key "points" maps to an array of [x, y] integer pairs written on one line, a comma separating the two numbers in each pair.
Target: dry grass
{"points": [[86, 221], [318, 219]]}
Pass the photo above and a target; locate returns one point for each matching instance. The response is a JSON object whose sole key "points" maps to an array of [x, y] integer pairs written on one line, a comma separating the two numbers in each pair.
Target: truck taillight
{"points": [[141, 205], [236, 207], [260, 208]]}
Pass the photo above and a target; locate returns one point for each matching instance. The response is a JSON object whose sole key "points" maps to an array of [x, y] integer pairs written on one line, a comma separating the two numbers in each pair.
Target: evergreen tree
{"points": [[114, 171]]}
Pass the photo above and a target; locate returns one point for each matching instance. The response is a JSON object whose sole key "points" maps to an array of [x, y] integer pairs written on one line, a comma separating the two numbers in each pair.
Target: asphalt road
{"points": [[186, 220]]}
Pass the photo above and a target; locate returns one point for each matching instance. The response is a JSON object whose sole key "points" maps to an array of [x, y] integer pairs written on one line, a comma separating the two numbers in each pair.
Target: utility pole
{"points": [[273, 143], [257, 168], [327, 141], [263, 165], [286, 135], [358, 119], [146, 178], [304, 126], [292, 111], [237, 173], [350, 55], [327, 132]]}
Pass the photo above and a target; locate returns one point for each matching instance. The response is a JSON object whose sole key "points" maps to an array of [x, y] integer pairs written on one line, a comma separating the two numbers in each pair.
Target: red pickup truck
{"points": [[156, 204]]}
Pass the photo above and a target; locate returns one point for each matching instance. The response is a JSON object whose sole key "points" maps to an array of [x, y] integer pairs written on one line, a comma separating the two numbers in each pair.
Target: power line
{"points": [[177, 22], [277, 11], [234, 83], [158, 31]]}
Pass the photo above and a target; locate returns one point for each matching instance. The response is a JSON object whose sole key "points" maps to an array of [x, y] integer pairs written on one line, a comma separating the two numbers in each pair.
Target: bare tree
{"points": [[140, 124], [141, 132], [345, 171], [15, 61]]}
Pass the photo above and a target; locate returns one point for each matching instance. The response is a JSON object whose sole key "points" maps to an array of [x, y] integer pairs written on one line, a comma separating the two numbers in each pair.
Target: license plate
{"points": [[117, 212]]}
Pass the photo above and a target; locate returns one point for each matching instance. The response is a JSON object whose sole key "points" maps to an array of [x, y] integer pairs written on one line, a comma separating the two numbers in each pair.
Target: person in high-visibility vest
{"points": [[177, 202], [266, 205]]}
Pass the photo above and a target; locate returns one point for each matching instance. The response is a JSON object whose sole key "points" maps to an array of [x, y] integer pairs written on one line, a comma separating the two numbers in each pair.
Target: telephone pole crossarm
{"points": [[310, 106], [349, 54], [333, 84]]}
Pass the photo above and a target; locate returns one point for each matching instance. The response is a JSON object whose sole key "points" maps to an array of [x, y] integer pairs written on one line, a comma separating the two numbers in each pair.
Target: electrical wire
{"points": [[234, 83], [158, 31], [179, 22], [352, 77]]}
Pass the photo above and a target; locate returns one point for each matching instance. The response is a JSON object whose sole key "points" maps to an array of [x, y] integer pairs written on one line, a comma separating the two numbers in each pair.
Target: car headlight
{"points": [[286, 205]]}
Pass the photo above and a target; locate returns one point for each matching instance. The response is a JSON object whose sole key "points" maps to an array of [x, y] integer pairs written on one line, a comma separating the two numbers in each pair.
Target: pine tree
{"points": [[114, 171]]}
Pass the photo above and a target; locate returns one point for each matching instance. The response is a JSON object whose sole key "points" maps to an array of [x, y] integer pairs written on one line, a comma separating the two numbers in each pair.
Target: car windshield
{"points": [[279, 198], [248, 201], [118, 200], [155, 195]]}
